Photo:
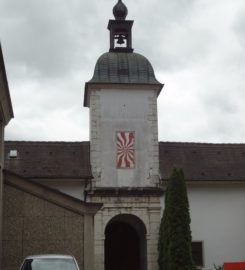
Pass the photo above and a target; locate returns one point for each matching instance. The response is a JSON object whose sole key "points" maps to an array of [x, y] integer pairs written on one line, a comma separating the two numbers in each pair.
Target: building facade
{"points": [[42, 220], [122, 99], [6, 113], [118, 178]]}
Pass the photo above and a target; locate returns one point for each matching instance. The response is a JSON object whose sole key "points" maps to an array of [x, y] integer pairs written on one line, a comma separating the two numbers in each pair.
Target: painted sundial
{"points": [[125, 149]]}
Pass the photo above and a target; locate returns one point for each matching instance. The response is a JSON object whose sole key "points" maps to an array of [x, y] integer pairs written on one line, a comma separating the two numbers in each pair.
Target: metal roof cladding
{"points": [[113, 67]]}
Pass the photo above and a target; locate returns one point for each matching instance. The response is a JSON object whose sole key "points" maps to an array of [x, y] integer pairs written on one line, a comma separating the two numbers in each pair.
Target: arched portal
{"points": [[125, 244]]}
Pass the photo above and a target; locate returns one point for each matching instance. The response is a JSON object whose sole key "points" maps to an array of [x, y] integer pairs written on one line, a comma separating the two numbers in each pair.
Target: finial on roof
{"points": [[120, 11]]}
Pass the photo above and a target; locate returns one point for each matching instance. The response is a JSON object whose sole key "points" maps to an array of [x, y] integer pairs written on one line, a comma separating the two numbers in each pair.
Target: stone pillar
{"points": [[88, 242], [99, 240], [152, 238], [1, 183]]}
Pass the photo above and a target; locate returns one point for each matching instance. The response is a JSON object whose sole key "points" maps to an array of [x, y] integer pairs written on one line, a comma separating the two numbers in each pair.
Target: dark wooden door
{"points": [[122, 250]]}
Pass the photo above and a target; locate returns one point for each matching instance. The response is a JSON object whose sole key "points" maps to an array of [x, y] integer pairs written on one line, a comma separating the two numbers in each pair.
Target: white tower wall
{"points": [[130, 110]]}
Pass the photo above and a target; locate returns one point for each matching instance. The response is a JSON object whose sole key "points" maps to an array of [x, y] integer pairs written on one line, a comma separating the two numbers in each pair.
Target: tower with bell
{"points": [[120, 30], [122, 99]]}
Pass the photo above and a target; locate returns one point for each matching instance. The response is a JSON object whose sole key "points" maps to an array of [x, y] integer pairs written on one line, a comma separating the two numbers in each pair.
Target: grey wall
{"points": [[33, 225]]}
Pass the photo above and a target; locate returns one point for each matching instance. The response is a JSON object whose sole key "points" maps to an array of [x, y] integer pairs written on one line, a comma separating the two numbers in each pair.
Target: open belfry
{"points": [[122, 99]]}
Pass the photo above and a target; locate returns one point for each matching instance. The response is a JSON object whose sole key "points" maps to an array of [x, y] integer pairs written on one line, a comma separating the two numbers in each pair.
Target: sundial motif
{"points": [[125, 150]]}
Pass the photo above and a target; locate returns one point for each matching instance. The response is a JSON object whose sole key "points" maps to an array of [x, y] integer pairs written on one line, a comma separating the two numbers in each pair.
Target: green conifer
{"points": [[175, 234]]}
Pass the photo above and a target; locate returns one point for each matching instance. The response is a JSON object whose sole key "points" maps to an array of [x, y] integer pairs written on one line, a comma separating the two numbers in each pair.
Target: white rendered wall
{"points": [[113, 110], [218, 219], [72, 188]]}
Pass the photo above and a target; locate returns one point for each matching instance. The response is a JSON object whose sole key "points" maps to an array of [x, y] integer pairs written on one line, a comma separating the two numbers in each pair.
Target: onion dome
{"points": [[120, 11], [132, 68], [121, 65]]}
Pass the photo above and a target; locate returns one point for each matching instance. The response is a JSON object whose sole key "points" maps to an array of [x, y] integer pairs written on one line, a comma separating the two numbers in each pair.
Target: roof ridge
{"points": [[47, 142], [202, 143]]}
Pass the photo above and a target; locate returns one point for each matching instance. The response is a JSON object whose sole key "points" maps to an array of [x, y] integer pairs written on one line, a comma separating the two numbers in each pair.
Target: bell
{"points": [[120, 40]]}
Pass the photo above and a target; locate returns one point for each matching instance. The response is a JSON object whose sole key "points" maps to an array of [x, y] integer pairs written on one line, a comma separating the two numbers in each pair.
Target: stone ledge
{"points": [[127, 191]]}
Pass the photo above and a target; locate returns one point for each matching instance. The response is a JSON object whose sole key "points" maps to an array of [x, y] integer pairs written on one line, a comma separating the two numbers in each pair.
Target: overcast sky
{"points": [[196, 47]]}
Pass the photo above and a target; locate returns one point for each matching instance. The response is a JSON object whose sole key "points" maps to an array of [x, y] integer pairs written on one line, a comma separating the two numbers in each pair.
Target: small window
{"points": [[13, 154], [197, 253]]}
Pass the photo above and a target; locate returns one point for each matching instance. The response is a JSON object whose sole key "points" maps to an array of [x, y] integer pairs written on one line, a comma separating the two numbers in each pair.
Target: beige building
{"points": [[6, 113], [41, 220], [102, 200]]}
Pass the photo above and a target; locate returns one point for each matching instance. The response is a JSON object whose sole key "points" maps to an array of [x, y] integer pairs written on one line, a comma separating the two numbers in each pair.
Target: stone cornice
{"points": [[127, 191]]}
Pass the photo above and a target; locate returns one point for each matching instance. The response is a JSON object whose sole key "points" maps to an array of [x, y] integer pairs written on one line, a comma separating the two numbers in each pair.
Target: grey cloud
{"points": [[220, 103], [51, 47], [239, 25], [44, 36]]}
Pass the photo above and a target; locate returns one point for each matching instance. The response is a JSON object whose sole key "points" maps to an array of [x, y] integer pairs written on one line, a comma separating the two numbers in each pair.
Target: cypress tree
{"points": [[175, 235]]}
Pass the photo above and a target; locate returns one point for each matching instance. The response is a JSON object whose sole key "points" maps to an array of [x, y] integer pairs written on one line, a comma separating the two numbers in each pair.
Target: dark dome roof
{"points": [[120, 11], [121, 67]]}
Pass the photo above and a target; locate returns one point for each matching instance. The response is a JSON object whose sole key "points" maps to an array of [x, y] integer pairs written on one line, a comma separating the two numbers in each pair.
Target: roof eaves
{"points": [[52, 195], [209, 181], [8, 106], [60, 177], [90, 83]]}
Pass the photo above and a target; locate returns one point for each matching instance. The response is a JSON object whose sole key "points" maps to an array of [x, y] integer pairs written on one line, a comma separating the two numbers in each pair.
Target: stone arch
{"points": [[125, 243]]}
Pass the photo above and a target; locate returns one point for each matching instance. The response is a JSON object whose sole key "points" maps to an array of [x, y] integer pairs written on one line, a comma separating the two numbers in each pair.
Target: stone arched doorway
{"points": [[125, 243]]}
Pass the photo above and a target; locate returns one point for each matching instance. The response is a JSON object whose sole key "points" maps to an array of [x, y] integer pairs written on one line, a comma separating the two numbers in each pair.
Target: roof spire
{"points": [[120, 11]]}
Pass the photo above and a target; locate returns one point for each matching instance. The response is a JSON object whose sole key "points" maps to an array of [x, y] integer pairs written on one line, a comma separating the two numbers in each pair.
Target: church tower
{"points": [[122, 98]]}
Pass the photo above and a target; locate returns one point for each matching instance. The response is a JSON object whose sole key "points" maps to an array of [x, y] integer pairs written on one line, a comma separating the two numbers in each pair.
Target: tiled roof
{"points": [[200, 161], [49, 159], [203, 161]]}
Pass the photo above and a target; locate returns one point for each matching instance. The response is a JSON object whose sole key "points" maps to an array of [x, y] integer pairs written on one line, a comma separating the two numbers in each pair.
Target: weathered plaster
{"points": [[113, 110], [147, 209]]}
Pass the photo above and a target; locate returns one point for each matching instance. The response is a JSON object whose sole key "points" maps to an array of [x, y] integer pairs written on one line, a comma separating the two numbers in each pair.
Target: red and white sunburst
{"points": [[125, 150]]}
